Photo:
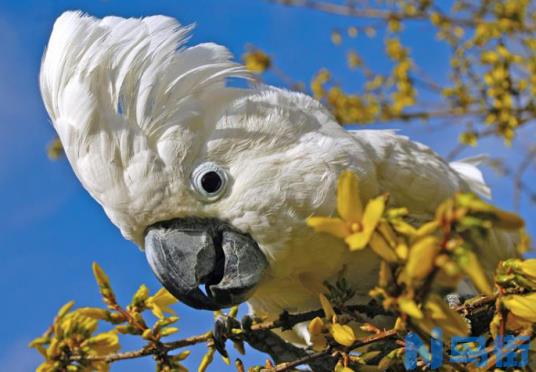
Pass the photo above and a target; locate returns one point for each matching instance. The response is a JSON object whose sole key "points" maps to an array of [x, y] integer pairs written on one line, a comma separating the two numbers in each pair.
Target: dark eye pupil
{"points": [[211, 182]]}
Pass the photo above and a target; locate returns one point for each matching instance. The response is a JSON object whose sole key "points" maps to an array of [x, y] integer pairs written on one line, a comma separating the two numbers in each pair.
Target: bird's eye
{"points": [[209, 180]]}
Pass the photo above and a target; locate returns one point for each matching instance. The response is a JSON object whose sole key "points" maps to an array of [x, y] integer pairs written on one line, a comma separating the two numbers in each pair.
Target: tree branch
{"points": [[371, 13], [469, 309]]}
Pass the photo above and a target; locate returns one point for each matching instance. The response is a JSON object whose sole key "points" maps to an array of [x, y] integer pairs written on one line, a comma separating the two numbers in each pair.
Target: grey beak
{"points": [[186, 253]]}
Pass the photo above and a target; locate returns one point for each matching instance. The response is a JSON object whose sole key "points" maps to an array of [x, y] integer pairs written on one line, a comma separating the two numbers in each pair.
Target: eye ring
{"points": [[209, 181]]}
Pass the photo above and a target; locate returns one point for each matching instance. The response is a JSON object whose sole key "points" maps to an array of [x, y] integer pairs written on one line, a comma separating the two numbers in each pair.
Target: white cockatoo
{"points": [[216, 183]]}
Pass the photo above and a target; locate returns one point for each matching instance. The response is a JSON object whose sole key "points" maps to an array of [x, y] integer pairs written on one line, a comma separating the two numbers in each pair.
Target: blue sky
{"points": [[51, 230]]}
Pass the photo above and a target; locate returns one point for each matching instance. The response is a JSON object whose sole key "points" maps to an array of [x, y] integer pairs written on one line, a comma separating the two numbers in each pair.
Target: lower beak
{"points": [[185, 253]]}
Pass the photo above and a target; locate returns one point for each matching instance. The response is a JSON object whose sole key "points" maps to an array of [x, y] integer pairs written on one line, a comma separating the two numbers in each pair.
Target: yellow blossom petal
{"points": [[357, 241], [315, 326], [402, 251], [326, 306], [472, 268], [421, 257], [100, 276], [341, 368], [207, 360], [388, 234], [141, 294], [47, 366], [160, 302], [382, 249], [523, 307], [427, 228], [333, 226], [495, 325], [371, 218], [257, 61], [65, 309], [343, 334], [373, 212], [103, 344], [349, 204], [400, 325], [385, 276], [408, 306], [529, 268], [438, 310], [404, 228], [94, 312]]}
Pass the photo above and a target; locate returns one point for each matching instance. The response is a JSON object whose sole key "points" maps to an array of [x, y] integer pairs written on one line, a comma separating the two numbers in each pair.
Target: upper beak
{"points": [[185, 253]]}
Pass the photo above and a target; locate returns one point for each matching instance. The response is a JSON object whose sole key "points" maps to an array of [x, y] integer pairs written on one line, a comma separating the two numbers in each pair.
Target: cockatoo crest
{"points": [[124, 96]]}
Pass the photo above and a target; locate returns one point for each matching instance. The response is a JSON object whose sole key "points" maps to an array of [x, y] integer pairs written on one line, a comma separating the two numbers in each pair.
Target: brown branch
{"points": [[286, 321], [371, 13], [298, 362], [386, 15], [150, 349], [382, 336]]}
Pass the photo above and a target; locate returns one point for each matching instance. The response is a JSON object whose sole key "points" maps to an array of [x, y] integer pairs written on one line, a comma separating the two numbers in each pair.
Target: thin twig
{"points": [[372, 13], [384, 15]]}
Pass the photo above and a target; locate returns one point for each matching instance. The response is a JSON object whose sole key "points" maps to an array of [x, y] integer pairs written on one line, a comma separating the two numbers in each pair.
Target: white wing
{"points": [[419, 179]]}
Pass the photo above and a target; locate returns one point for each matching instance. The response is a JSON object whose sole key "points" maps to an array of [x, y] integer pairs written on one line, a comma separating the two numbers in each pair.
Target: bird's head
{"points": [[197, 174]]}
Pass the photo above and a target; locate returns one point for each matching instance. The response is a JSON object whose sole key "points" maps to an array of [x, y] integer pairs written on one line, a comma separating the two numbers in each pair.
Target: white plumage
{"points": [[136, 111]]}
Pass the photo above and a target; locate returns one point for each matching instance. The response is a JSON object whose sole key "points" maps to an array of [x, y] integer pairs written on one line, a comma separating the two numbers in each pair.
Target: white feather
{"points": [[136, 111], [467, 168], [114, 89]]}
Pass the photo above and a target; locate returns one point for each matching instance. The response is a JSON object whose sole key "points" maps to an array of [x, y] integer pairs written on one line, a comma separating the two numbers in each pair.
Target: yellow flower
{"points": [[257, 61], [437, 313], [326, 306], [528, 267], [316, 329], [421, 258], [523, 307], [47, 366], [100, 276], [55, 149], [343, 334], [207, 359], [336, 37], [354, 225], [316, 326], [141, 295], [160, 302], [408, 306], [343, 369], [103, 344], [470, 264], [94, 313]]}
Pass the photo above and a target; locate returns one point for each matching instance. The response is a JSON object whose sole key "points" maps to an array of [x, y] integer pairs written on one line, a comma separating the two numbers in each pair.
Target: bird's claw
{"points": [[223, 331]]}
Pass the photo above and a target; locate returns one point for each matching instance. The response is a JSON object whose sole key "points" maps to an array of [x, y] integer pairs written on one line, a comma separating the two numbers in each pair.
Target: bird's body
{"points": [[137, 116]]}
